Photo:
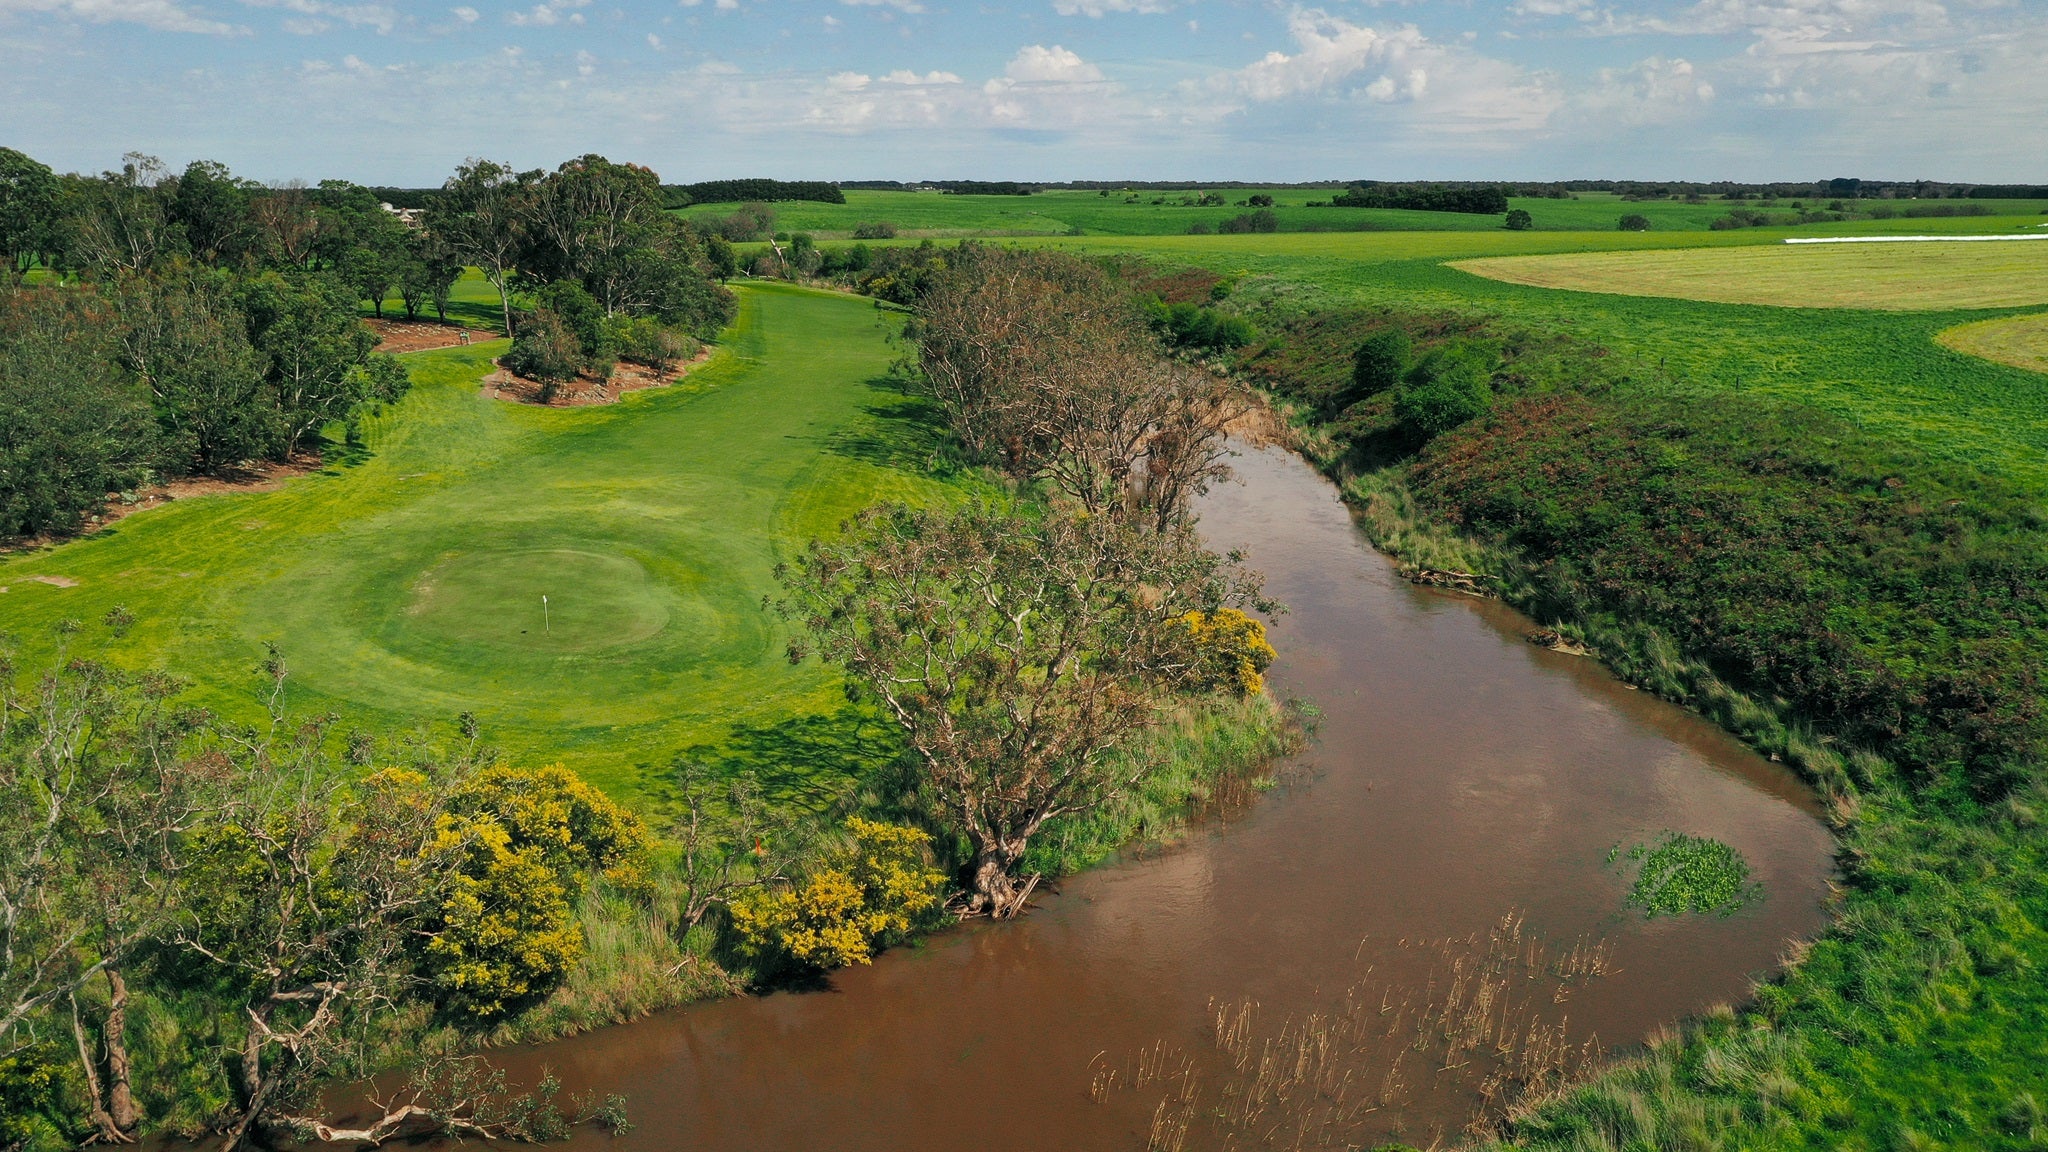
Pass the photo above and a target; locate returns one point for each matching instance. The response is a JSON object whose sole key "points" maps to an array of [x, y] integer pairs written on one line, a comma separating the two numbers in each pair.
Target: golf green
{"points": [[590, 582]]}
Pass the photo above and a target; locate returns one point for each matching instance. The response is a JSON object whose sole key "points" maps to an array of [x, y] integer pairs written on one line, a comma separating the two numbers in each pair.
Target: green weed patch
{"points": [[1678, 873]]}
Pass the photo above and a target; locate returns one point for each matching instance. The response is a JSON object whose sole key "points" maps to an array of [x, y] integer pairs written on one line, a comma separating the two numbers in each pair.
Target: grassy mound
{"points": [[404, 581]]}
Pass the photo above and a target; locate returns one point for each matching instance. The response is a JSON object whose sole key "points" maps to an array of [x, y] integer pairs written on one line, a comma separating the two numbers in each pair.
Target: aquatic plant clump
{"points": [[1680, 873]]}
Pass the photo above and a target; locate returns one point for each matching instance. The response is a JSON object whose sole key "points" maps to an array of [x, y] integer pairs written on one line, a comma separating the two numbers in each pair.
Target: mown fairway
{"points": [[406, 585], [1894, 276], [2021, 341]]}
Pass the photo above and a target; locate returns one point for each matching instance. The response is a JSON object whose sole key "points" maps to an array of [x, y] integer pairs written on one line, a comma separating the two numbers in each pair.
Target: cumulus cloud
{"points": [[549, 13], [899, 5], [162, 15], [1037, 64], [319, 15], [1329, 50], [466, 14], [1100, 8]]}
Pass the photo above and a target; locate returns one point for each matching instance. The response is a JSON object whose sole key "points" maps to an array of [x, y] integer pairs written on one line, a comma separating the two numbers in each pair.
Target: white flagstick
{"points": [[547, 627]]}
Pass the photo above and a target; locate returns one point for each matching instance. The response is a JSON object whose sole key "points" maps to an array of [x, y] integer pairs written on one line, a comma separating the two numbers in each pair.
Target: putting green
{"points": [[404, 584]]}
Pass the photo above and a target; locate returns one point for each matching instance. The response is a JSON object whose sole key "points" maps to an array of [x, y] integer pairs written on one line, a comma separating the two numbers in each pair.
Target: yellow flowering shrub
{"points": [[856, 900], [515, 848], [1235, 647]]}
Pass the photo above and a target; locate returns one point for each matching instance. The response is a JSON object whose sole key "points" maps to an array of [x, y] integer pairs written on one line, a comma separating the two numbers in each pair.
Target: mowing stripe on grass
{"points": [[405, 584]]}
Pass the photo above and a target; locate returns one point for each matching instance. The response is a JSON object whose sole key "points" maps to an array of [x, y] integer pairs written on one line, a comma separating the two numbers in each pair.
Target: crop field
{"points": [[1899, 276], [1153, 213], [404, 582], [2021, 341]]}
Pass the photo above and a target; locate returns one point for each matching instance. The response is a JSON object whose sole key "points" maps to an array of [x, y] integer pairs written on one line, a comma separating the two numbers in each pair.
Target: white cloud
{"points": [[654, 41], [899, 5], [315, 15], [1037, 64], [1099, 8], [466, 14], [904, 76], [549, 13], [162, 15], [1330, 49]]}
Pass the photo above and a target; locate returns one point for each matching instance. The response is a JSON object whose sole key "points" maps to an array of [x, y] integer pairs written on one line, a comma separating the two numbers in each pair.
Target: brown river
{"points": [[1421, 917]]}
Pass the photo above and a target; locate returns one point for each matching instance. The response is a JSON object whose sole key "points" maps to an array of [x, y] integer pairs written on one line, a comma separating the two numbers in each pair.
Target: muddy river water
{"points": [[1422, 914]]}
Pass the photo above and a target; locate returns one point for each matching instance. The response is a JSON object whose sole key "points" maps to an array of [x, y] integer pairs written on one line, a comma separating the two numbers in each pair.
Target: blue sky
{"points": [[399, 91]]}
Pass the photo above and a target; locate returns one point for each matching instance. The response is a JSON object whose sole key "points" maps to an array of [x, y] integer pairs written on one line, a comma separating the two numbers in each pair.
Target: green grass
{"points": [[1059, 212], [1881, 371], [1902, 277], [403, 582]]}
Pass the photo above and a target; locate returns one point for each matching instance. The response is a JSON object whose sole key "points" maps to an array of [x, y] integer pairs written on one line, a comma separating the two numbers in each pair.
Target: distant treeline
{"points": [[749, 191], [1481, 199]]}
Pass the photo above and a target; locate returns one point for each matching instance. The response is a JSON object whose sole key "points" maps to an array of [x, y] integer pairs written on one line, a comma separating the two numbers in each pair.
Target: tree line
{"points": [[1025, 645], [156, 323]]}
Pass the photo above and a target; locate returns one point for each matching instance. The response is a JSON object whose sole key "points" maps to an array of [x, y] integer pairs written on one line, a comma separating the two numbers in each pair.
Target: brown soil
{"points": [[586, 390], [423, 335], [251, 476]]}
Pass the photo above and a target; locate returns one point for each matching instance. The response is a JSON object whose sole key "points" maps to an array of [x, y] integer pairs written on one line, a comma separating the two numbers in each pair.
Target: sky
{"points": [[400, 91]]}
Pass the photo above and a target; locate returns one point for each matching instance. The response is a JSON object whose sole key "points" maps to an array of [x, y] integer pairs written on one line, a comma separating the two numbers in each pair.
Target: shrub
{"points": [[1235, 648], [645, 340], [1263, 220], [1189, 325], [546, 350], [874, 230], [1634, 222], [517, 848], [1445, 390], [875, 892], [1376, 367], [1519, 220]]}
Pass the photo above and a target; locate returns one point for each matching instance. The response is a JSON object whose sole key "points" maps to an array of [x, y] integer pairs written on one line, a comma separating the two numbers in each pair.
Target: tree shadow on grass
{"points": [[810, 764], [900, 430]]}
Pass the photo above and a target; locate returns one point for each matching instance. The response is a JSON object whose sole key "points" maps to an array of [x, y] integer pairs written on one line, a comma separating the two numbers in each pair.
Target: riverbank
{"points": [[1916, 1019]]}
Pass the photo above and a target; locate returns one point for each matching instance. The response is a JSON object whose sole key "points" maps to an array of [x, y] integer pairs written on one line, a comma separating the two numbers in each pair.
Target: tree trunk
{"points": [[505, 302], [120, 1096], [996, 891]]}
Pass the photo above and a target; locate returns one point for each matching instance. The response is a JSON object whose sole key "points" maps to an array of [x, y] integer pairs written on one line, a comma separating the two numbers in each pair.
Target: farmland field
{"points": [[2021, 341], [1900, 276], [1060, 212], [404, 583], [1882, 370]]}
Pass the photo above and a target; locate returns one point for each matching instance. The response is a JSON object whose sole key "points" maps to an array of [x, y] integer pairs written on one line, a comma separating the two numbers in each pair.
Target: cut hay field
{"points": [[2021, 341], [1899, 277], [404, 584]]}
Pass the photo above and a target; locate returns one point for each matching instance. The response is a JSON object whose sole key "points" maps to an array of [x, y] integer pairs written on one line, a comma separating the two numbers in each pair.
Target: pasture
{"points": [[1880, 369], [1154, 213], [403, 582], [1905, 277], [2021, 341]]}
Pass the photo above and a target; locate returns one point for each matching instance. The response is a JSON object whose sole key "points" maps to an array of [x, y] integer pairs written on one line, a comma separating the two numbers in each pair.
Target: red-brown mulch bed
{"points": [[586, 390], [423, 335]]}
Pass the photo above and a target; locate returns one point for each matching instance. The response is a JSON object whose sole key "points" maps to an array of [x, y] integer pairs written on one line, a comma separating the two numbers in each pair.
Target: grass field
{"points": [[1064, 212], [1903, 277], [1882, 370], [2021, 341], [404, 583]]}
